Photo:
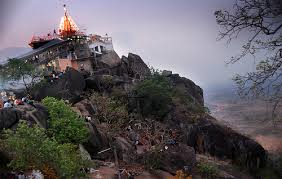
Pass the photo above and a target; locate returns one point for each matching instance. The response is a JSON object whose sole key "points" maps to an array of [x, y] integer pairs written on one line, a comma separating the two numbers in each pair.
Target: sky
{"points": [[177, 35]]}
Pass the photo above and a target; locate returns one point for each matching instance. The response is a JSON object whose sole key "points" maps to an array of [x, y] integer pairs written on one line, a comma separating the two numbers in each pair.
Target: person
{"points": [[82, 67], [24, 99], [18, 102], [21, 175], [7, 104], [60, 75], [1, 104], [4, 97]]}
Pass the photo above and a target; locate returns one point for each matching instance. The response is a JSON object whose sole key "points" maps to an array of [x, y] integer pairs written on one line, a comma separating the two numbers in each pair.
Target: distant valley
{"points": [[250, 117]]}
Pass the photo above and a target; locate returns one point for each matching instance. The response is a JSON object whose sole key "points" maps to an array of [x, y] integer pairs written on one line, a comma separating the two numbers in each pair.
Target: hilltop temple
{"points": [[67, 47]]}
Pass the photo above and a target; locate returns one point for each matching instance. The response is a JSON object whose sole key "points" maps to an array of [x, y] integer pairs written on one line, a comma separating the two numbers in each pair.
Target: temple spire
{"points": [[67, 26]]}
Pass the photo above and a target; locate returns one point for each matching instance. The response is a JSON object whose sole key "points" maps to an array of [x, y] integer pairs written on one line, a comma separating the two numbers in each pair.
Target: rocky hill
{"points": [[151, 124]]}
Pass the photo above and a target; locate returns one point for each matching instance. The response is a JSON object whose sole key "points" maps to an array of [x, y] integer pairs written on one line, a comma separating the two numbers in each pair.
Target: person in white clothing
{"points": [[7, 104]]}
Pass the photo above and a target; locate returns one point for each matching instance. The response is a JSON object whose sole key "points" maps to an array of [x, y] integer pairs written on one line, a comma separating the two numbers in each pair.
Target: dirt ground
{"points": [[251, 118]]}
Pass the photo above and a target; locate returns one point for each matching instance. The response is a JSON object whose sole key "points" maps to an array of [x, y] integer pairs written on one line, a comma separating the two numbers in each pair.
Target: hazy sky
{"points": [[179, 35]]}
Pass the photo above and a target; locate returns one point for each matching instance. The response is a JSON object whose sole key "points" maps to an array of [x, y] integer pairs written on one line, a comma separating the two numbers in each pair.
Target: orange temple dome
{"points": [[67, 26]]}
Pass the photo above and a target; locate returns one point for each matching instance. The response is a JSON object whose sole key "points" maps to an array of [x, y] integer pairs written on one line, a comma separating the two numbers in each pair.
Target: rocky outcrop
{"points": [[37, 114], [105, 83], [84, 108], [9, 117], [136, 67], [69, 87], [97, 142], [187, 88], [208, 136], [171, 159], [108, 60]]}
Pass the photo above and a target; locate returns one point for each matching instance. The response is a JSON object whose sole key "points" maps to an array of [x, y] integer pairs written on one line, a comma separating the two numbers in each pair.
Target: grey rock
{"points": [[9, 117], [69, 87]]}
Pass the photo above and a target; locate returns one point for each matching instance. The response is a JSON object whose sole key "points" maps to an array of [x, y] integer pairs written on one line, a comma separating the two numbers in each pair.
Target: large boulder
{"points": [[208, 136], [84, 108], [97, 142], [108, 59], [171, 159], [187, 88], [36, 114], [69, 87], [9, 117], [105, 83], [136, 67]]}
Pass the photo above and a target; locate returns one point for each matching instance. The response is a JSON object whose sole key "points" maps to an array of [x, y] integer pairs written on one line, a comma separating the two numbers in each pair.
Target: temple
{"points": [[67, 47]]}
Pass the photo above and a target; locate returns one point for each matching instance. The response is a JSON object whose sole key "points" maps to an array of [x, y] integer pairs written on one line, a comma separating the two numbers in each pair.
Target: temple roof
{"points": [[67, 25], [42, 48]]}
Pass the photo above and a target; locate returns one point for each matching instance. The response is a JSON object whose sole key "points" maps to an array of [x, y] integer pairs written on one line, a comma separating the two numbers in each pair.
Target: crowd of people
{"points": [[34, 174], [9, 100]]}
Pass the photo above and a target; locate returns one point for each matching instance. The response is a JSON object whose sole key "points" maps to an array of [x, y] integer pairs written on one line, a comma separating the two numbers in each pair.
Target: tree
{"points": [[154, 95], [64, 124], [16, 70], [30, 148], [262, 21]]}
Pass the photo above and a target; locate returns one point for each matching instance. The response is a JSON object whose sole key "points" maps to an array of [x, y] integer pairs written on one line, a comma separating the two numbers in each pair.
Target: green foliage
{"points": [[109, 110], [154, 95], [40, 84], [153, 161], [65, 125], [16, 70], [207, 170], [31, 148]]}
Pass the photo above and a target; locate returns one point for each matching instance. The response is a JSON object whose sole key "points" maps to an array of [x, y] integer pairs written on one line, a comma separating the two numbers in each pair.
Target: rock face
{"points": [[188, 88], [69, 87], [38, 115], [207, 136], [109, 59], [172, 159], [136, 66], [96, 142], [105, 83], [85, 108], [8, 118]]}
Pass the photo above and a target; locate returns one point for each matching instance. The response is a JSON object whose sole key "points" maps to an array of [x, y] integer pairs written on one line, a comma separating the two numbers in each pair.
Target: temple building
{"points": [[67, 47]]}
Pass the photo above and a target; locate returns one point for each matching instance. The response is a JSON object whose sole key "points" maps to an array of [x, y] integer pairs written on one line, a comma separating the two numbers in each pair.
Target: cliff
{"points": [[165, 125]]}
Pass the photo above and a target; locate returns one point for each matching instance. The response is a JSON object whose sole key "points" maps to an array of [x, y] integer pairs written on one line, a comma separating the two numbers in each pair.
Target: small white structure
{"points": [[98, 44]]}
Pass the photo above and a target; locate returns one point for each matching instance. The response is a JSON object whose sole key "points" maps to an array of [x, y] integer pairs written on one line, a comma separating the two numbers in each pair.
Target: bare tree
{"points": [[261, 22]]}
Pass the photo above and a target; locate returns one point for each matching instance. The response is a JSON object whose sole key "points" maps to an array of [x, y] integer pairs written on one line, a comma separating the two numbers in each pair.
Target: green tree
{"points": [[154, 95], [30, 148], [19, 70], [65, 125], [261, 22]]}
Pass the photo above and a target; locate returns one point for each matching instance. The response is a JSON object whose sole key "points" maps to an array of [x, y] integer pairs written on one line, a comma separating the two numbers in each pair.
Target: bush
{"points": [[109, 110], [30, 148], [154, 96], [65, 125], [207, 170]]}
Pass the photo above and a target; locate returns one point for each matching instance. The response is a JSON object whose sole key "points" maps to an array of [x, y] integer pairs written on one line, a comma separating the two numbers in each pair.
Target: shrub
{"points": [[154, 96], [109, 110], [207, 170], [30, 148], [153, 160], [65, 125]]}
